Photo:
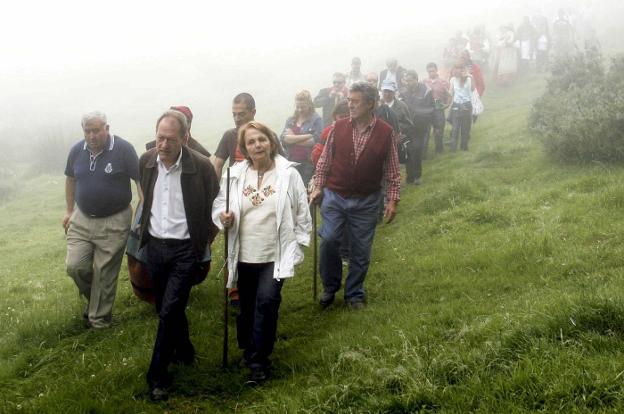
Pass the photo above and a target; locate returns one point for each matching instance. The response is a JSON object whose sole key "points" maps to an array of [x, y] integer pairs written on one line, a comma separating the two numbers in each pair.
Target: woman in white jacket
{"points": [[268, 222]]}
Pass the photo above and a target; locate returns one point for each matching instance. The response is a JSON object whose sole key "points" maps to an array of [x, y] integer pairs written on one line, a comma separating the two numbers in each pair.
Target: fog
{"points": [[133, 59]]}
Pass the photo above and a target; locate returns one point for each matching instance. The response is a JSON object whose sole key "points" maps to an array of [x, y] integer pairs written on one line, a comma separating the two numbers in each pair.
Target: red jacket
{"points": [[317, 150], [477, 75]]}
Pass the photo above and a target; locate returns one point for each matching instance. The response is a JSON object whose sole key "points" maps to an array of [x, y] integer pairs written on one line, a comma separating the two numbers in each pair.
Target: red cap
{"points": [[185, 110]]}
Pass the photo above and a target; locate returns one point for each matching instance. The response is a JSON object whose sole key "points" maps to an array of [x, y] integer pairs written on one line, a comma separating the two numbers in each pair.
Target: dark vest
{"points": [[349, 178]]}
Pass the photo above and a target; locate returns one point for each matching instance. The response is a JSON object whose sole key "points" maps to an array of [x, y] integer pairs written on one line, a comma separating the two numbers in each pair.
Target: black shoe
{"points": [[258, 375], [158, 394], [326, 299], [358, 305]]}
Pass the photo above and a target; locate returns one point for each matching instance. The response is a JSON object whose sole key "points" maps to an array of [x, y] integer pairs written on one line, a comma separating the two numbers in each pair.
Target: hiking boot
{"points": [[358, 305], [158, 394], [258, 375], [326, 299]]}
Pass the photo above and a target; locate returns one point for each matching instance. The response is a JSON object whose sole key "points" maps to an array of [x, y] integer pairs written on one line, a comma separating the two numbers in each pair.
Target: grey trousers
{"points": [[95, 248]]}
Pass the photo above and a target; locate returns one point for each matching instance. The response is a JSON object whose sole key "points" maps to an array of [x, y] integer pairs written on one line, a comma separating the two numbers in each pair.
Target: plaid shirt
{"points": [[392, 173]]}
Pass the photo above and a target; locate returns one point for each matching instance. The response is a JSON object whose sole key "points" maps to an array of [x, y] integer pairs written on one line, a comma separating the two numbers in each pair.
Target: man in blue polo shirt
{"points": [[97, 223]]}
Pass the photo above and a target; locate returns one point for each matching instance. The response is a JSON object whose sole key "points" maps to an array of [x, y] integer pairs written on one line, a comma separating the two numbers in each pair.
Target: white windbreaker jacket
{"points": [[294, 222]]}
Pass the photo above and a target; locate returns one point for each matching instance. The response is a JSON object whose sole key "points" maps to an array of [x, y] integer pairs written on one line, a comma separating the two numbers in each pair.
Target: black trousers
{"points": [[461, 118], [438, 122], [170, 264], [256, 324], [415, 152]]}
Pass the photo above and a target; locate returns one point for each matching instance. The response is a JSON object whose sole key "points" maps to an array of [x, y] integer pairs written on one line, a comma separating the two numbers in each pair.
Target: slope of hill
{"points": [[497, 289]]}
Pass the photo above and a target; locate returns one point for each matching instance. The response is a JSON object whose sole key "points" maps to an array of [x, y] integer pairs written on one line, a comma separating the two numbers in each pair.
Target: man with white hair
{"points": [[97, 222], [393, 73], [355, 74]]}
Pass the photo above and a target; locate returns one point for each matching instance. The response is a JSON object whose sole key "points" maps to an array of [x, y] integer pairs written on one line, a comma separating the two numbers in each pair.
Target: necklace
{"points": [[261, 174]]}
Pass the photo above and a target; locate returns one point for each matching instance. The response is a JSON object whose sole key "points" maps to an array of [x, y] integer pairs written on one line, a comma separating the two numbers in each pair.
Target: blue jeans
{"points": [[256, 324], [357, 217]]}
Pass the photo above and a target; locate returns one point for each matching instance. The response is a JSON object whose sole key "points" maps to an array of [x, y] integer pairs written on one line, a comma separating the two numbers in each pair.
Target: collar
{"points": [[281, 163], [175, 166], [390, 104], [110, 140], [185, 160], [370, 125]]}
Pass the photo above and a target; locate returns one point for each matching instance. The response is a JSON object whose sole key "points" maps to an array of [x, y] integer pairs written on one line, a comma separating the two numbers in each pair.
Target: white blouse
{"points": [[258, 223]]}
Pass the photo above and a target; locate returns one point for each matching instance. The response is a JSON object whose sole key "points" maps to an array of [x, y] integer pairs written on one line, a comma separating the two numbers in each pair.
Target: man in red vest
{"points": [[359, 154]]}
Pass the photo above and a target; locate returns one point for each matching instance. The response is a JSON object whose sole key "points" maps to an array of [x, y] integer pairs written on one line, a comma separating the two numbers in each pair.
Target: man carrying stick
{"points": [[359, 153]]}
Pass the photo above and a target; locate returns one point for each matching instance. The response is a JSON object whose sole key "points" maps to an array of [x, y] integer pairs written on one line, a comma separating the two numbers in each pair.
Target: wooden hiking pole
{"points": [[225, 289], [314, 253]]}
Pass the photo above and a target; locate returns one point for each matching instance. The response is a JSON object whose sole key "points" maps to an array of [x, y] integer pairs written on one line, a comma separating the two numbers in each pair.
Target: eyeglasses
{"points": [[92, 161]]}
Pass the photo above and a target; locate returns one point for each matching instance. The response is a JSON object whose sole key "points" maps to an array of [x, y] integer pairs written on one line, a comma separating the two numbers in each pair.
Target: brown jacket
{"points": [[199, 189]]}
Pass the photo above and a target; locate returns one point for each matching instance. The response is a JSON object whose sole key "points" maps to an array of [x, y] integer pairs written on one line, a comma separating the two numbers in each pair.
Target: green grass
{"points": [[497, 289]]}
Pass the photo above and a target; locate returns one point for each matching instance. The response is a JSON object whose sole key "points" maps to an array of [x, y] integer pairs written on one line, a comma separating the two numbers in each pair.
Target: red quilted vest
{"points": [[349, 178]]}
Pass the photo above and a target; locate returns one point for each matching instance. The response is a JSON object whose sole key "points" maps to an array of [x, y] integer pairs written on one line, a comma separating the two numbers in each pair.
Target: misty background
{"points": [[133, 60]]}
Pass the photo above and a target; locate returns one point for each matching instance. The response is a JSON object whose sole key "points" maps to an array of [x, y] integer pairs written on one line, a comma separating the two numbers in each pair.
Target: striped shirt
{"points": [[392, 172]]}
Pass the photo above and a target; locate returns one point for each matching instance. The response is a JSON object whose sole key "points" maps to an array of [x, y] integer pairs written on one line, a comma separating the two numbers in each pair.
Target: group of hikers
{"points": [[516, 51], [346, 160]]}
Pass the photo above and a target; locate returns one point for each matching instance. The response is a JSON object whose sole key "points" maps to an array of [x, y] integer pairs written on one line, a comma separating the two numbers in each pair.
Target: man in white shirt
{"points": [[355, 74], [393, 73], [180, 186]]}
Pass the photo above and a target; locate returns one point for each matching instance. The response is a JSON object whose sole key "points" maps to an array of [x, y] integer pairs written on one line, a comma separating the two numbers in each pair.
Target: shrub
{"points": [[580, 117]]}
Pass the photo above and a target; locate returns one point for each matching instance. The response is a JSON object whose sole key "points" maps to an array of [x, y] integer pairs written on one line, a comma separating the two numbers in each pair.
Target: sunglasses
{"points": [[92, 162]]}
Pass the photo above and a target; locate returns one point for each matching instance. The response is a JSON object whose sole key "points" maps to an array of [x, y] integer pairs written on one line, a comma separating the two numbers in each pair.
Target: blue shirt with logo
{"points": [[103, 184]]}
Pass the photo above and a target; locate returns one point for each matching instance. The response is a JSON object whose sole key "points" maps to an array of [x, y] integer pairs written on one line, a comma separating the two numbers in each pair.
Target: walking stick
{"points": [[225, 289], [314, 253]]}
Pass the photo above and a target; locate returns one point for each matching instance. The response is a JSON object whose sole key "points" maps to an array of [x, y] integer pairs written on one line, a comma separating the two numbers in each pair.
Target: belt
{"points": [[169, 242]]}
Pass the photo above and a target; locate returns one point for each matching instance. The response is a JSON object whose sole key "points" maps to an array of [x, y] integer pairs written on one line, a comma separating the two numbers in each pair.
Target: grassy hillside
{"points": [[497, 289]]}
